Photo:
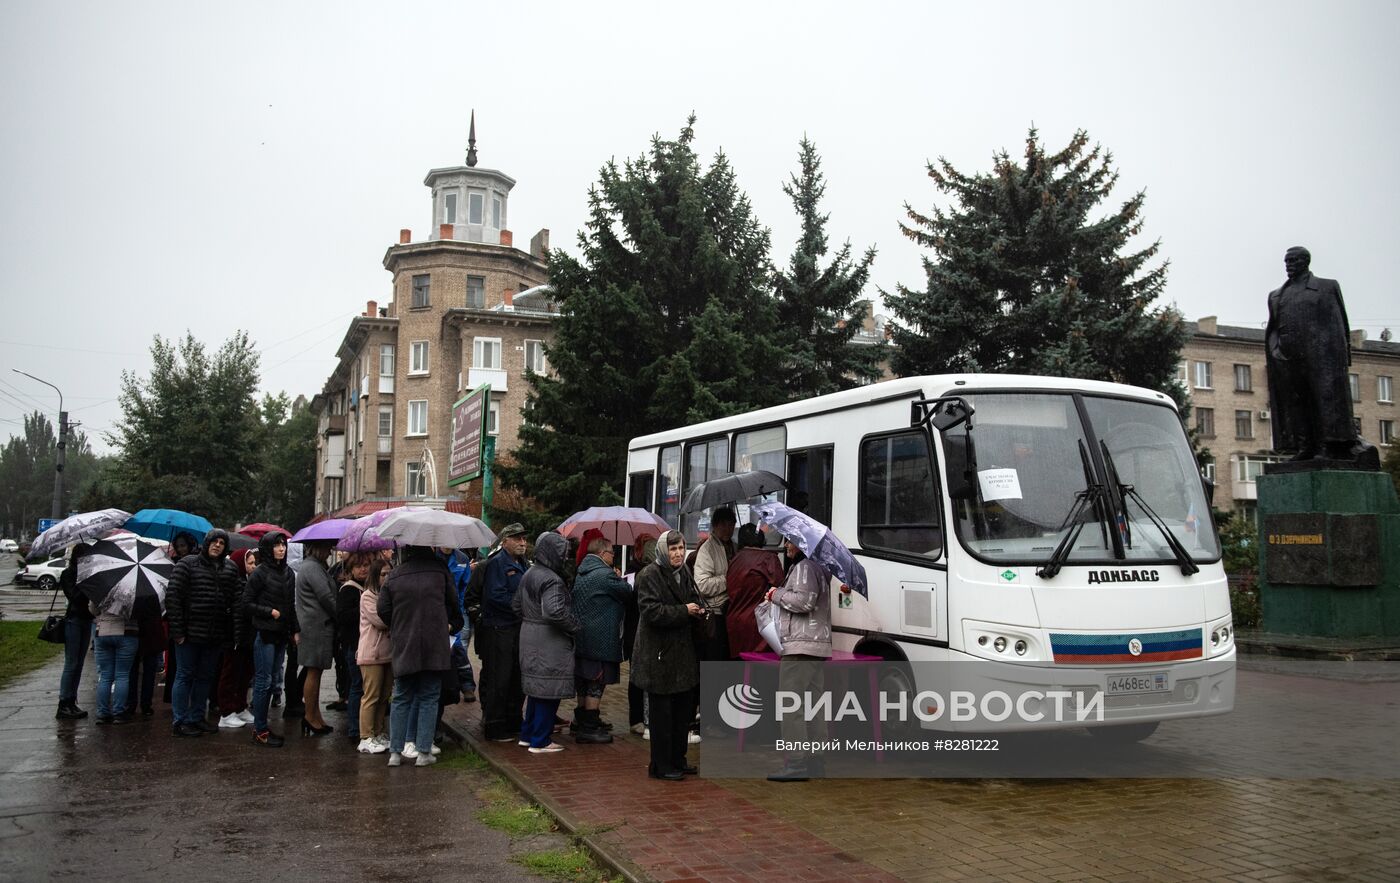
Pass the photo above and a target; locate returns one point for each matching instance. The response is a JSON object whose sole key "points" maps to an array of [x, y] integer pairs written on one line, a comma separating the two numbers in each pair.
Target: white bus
{"points": [[1060, 525]]}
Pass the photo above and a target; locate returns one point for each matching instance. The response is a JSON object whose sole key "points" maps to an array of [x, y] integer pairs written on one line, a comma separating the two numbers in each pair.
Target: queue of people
{"points": [[555, 628]]}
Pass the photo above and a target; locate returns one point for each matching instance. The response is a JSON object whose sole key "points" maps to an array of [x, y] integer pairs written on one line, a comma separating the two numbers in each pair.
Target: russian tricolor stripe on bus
{"points": [[1156, 647]]}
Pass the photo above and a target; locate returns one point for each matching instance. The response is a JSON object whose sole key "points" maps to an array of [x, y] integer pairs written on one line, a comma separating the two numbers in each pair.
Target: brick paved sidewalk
{"points": [[666, 831]]}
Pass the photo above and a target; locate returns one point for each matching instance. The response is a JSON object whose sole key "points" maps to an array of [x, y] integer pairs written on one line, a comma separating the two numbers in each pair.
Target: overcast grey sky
{"points": [[173, 166]]}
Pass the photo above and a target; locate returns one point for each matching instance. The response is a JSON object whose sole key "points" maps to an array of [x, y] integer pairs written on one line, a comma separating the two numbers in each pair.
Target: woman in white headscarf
{"points": [[664, 663]]}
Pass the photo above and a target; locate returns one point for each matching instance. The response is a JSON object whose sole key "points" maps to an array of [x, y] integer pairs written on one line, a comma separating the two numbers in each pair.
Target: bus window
{"points": [[703, 461], [809, 475], [898, 496], [639, 490], [760, 449], [668, 500]]}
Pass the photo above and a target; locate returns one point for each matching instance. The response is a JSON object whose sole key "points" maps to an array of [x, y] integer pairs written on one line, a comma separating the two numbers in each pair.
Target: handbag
{"points": [[55, 627]]}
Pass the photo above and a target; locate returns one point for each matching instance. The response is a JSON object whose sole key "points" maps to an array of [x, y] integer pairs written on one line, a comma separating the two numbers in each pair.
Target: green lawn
{"points": [[21, 650]]}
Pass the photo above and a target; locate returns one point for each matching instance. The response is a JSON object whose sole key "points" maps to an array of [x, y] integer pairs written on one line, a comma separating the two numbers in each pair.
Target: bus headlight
{"points": [[1000, 645], [1020, 648]]}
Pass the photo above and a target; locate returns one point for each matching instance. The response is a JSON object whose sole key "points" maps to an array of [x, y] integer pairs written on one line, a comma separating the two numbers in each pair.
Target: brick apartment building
{"points": [[1223, 369], [467, 308]]}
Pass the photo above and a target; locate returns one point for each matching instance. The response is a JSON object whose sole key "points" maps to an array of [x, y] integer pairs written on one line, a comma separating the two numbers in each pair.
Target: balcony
{"points": [[386, 445], [477, 376], [386, 383], [335, 424]]}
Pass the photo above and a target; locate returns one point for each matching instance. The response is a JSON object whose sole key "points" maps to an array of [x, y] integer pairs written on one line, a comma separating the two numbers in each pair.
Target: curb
{"points": [[604, 854]]}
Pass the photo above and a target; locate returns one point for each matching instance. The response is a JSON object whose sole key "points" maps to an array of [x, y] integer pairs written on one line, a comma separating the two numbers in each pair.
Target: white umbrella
{"points": [[438, 528], [76, 529], [125, 570]]}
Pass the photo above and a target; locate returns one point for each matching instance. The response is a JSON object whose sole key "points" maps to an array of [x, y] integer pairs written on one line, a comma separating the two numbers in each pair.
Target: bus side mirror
{"points": [[957, 450], [950, 414]]}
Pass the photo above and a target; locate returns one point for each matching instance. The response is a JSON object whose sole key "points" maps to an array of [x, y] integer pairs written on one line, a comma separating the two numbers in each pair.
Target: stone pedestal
{"points": [[1329, 554]]}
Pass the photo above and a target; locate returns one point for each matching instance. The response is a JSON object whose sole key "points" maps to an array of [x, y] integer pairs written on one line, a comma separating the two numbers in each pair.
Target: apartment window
{"points": [[386, 360], [418, 357], [1356, 422], [415, 480], [496, 212], [1244, 382], [486, 353], [449, 208], [493, 418], [1354, 383], [1208, 471], [1383, 389], [1205, 422], [1183, 372], [1203, 375], [534, 356], [1387, 432], [475, 206], [1250, 468], [476, 292], [420, 291], [1244, 424], [418, 417]]}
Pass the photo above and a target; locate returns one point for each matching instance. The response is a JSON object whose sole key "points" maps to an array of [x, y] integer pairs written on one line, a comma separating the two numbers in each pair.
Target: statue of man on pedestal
{"points": [[1308, 350]]}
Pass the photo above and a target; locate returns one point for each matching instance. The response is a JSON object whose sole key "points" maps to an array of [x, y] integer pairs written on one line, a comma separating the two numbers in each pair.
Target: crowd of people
{"points": [[241, 629]]}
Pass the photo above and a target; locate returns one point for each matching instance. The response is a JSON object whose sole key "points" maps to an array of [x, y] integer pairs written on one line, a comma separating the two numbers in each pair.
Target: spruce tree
{"points": [[665, 319], [1027, 277], [821, 309]]}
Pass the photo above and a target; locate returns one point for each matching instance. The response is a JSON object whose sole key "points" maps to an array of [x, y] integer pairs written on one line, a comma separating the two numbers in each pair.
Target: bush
{"points": [[1239, 543]]}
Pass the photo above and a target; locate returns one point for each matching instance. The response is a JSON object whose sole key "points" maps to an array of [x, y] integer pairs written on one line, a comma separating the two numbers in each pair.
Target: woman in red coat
{"points": [[751, 574]]}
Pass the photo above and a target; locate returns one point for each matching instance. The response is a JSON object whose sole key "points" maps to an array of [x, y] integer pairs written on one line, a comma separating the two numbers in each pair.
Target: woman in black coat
{"points": [[664, 663], [269, 601]]}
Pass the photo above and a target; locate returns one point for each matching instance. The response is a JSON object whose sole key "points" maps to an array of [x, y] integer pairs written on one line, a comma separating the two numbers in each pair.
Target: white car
{"points": [[45, 574], [9, 546]]}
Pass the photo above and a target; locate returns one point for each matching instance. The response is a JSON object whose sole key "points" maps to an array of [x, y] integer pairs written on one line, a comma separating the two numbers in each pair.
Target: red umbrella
{"points": [[256, 531]]}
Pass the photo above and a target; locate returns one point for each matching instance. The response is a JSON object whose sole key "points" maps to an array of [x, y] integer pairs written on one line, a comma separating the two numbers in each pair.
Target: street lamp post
{"points": [[57, 509]]}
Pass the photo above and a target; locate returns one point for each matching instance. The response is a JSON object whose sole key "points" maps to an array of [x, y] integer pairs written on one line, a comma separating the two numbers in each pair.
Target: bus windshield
{"points": [[1034, 461]]}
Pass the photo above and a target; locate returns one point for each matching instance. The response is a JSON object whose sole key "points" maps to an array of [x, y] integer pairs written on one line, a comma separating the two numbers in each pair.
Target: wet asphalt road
{"points": [[134, 802]]}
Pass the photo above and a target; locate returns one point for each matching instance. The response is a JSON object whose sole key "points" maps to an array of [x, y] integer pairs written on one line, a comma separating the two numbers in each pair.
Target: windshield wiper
{"points": [[1128, 492], [1092, 495]]}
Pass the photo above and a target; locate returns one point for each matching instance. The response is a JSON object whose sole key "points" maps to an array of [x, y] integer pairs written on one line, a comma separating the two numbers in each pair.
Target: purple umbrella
{"points": [[322, 531], [363, 534], [816, 542], [620, 524]]}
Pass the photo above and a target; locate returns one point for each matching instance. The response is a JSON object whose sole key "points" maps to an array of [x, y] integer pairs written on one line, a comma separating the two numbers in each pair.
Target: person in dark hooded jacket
{"points": [[269, 602], [199, 602], [547, 627]]}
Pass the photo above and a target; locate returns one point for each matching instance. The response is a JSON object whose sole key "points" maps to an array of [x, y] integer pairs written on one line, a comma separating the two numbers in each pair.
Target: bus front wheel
{"points": [[1125, 734]]}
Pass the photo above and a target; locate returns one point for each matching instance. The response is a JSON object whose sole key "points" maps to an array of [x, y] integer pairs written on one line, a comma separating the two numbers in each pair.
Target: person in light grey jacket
{"points": [[316, 615], [802, 607], [547, 627]]}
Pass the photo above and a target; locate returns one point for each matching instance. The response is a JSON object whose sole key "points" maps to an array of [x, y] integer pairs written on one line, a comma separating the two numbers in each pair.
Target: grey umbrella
{"points": [[436, 527], [732, 489], [77, 529]]}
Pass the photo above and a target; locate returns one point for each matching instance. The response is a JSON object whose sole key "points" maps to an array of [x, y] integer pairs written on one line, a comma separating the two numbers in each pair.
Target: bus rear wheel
{"points": [[1124, 734]]}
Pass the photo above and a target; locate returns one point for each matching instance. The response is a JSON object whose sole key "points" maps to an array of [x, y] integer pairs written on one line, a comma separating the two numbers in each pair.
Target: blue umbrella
{"points": [[164, 524], [816, 542]]}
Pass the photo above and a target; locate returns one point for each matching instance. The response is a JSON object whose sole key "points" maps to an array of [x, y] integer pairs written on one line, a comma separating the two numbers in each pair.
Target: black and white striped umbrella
{"points": [[125, 572]]}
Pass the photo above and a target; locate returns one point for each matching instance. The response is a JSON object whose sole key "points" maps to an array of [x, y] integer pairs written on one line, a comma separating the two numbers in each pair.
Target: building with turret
{"points": [[466, 308]]}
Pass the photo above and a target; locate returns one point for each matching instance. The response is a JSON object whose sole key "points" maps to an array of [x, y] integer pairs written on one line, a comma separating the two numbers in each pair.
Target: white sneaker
{"points": [[551, 748], [646, 733], [523, 743], [369, 746], [693, 738], [395, 759], [231, 722], [639, 729], [436, 751], [409, 751], [246, 716], [425, 760], [382, 739]]}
